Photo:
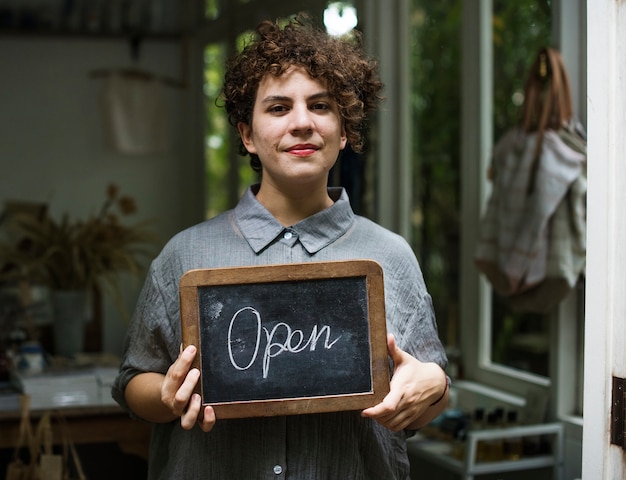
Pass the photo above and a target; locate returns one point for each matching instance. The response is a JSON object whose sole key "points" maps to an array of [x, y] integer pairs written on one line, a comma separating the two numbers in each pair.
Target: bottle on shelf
{"points": [[490, 450], [477, 423], [478, 419], [513, 448]]}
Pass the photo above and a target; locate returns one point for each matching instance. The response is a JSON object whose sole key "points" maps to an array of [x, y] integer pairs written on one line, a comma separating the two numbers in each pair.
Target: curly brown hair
{"points": [[340, 64]]}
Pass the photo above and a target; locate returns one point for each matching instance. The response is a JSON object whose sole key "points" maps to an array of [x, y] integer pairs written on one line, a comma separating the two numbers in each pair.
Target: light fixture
{"points": [[340, 18]]}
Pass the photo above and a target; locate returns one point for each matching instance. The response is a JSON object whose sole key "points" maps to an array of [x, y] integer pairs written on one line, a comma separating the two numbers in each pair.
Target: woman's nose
{"points": [[301, 119]]}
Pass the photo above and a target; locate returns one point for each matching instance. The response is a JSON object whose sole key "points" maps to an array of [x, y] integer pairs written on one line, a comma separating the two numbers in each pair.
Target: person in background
{"points": [[297, 97]]}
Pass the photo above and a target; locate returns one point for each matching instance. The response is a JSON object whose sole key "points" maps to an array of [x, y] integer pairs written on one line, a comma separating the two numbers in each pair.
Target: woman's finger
{"points": [[190, 416]]}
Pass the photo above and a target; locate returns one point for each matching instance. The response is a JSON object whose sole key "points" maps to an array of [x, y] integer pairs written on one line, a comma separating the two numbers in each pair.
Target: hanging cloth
{"points": [[531, 245], [135, 114]]}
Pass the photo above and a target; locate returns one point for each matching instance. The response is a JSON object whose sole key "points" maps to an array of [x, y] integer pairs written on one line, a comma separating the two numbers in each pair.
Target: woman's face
{"points": [[296, 130]]}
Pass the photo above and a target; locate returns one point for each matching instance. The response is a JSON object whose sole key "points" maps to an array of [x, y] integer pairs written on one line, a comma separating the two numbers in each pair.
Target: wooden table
{"points": [[86, 424]]}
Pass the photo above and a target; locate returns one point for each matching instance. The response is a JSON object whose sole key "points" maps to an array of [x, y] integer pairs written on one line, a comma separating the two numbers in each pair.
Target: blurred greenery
{"points": [[220, 150], [217, 134], [520, 30], [435, 101]]}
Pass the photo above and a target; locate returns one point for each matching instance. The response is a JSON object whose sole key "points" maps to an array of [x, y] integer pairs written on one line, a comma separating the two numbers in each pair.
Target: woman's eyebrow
{"points": [[275, 98], [319, 95], [284, 98]]}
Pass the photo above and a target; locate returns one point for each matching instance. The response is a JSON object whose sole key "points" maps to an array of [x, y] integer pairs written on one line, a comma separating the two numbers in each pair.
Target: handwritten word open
{"points": [[294, 341]]}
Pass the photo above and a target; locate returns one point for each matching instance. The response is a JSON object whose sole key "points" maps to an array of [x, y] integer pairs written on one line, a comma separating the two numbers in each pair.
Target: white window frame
{"points": [[605, 331], [386, 32]]}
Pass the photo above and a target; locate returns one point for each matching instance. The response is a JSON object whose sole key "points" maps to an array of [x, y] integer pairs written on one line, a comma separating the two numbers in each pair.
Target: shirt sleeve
{"points": [[152, 336], [410, 312]]}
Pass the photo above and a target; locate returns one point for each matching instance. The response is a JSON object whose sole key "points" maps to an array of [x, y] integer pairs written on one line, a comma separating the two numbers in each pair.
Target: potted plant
{"points": [[76, 257]]}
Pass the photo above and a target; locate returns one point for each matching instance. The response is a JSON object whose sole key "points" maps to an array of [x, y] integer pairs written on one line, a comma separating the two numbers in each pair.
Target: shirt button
{"points": [[287, 235], [278, 469]]}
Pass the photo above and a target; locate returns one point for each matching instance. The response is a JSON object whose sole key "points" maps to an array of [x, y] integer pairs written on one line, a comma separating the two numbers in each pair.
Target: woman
{"points": [[296, 96]]}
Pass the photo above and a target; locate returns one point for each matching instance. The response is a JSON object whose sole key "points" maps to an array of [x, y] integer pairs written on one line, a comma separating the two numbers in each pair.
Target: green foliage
{"points": [[220, 154], [217, 131], [435, 72], [520, 30], [211, 9]]}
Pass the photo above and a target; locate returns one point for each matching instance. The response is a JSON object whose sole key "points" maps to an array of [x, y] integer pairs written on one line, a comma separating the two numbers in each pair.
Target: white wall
{"points": [[52, 146]]}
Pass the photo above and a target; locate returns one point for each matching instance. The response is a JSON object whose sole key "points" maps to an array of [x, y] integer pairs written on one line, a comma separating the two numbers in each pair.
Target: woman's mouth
{"points": [[302, 150]]}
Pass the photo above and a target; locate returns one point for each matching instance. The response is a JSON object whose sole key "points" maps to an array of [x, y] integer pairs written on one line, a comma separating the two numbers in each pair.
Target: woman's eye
{"points": [[320, 106], [277, 109]]}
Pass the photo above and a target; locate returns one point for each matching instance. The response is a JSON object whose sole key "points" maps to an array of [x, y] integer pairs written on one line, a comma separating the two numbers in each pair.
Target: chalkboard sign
{"points": [[287, 339]]}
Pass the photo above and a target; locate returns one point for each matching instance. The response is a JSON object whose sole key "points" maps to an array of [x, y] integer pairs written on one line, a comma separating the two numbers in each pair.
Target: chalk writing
{"points": [[293, 340]]}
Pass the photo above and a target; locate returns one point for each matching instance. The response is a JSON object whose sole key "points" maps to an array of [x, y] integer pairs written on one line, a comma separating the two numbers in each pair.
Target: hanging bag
{"points": [[531, 244], [43, 463], [17, 469]]}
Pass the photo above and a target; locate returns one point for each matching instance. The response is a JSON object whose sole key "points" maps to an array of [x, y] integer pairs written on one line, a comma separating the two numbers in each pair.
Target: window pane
{"points": [[435, 106], [217, 135], [520, 29], [519, 340]]}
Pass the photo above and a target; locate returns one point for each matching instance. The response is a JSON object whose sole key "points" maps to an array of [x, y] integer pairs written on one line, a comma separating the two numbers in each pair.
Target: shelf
{"points": [[440, 452], [459, 467]]}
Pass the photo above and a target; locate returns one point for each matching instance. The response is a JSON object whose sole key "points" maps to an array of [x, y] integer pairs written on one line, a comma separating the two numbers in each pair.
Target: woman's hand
{"points": [[177, 393], [162, 398], [418, 392]]}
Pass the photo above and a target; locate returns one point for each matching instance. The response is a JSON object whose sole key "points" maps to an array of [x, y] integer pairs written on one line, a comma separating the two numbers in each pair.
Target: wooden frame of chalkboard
{"points": [[287, 339]]}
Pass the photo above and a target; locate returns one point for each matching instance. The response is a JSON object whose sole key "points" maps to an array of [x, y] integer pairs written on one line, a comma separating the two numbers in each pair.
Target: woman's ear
{"points": [[245, 132]]}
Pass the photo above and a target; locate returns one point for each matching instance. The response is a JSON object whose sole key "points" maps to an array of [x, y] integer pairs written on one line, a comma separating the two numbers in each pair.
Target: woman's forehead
{"points": [[293, 75]]}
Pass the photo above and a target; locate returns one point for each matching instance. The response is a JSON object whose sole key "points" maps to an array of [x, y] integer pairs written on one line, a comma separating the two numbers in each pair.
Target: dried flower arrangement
{"points": [[76, 255]]}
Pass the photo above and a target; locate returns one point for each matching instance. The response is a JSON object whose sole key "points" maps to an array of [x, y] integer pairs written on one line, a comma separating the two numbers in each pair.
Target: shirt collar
{"points": [[261, 229]]}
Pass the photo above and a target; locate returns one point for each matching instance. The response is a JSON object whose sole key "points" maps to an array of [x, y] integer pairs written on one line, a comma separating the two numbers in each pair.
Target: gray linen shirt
{"points": [[330, 446]]}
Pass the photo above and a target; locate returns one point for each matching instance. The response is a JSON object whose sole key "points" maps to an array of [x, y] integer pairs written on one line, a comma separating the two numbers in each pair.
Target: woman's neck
{"points": [[291, 207]]}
